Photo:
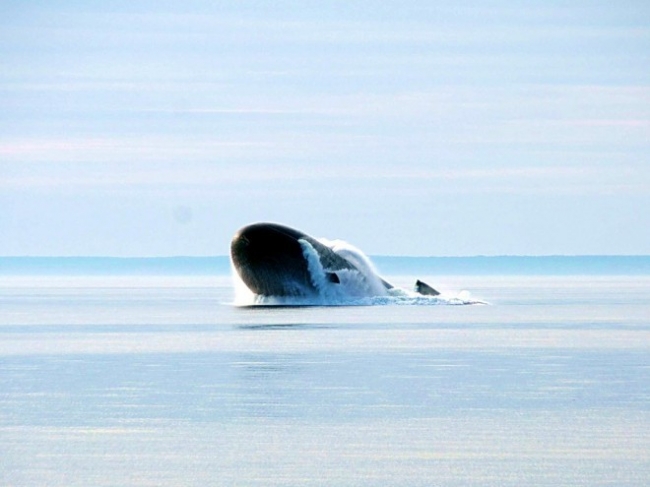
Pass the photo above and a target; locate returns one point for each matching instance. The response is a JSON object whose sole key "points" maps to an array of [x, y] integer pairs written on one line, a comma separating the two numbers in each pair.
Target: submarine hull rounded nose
{"points": [[269, 259]]}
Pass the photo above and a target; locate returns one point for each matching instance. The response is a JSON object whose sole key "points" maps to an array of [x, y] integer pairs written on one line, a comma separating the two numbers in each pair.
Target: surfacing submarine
{"points": [[274, 260]]}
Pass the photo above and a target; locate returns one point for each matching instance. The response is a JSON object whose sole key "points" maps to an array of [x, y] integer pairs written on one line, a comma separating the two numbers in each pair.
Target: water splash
{"points": [[361, 286]]}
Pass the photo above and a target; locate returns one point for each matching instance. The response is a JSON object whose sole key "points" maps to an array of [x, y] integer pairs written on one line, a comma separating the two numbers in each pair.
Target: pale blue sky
{"points": [[419, 128]]}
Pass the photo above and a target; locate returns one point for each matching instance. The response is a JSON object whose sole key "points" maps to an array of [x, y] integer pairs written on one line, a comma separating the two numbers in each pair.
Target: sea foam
{"points": [[361, 286]]}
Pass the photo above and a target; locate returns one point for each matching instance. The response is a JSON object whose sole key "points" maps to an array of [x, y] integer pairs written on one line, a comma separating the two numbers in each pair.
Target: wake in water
{"points": [[397, 296], [357, 285]]}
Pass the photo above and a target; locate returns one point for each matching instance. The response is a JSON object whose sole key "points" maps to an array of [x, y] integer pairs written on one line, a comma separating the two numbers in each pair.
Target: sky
{"points": [[158, 128]]}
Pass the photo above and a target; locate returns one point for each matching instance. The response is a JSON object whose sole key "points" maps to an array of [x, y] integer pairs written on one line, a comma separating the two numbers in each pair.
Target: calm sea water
{"points": [[151, 380]]}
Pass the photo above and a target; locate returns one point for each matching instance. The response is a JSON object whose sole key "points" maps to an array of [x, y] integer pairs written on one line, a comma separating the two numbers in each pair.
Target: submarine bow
{"points": [[274, 260]]}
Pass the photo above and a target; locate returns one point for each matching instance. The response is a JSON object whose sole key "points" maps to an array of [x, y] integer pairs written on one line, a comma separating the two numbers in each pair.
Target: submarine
{"points": [[275, 260]]}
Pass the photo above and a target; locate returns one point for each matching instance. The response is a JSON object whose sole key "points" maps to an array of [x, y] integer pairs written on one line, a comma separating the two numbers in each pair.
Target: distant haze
{"points": [[386, 266], [158, 128]]}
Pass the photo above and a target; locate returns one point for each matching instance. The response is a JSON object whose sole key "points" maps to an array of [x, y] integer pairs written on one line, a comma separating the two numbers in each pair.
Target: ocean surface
{"points": [[144, 379]]}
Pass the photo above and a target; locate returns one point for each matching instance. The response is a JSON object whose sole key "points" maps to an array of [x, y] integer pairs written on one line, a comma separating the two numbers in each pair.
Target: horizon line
{"points": [[226, 256]]}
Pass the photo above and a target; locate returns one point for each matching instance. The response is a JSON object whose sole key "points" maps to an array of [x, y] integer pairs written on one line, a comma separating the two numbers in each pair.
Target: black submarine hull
{"points": [[270, 259], [277, 260]]}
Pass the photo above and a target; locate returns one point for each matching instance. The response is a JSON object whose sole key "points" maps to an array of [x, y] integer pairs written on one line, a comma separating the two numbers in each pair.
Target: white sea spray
{"points": [[360, 286]]}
